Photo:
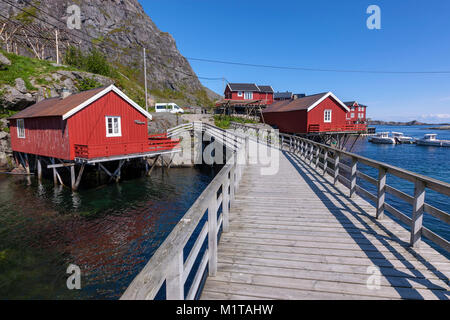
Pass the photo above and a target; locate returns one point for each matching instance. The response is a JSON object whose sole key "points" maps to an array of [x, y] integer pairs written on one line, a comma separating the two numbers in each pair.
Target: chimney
{"points": [[65, 93]]}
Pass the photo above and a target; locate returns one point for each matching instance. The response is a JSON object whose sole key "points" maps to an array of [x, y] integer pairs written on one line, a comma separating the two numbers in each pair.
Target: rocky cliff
{"points": [[118, 28]]}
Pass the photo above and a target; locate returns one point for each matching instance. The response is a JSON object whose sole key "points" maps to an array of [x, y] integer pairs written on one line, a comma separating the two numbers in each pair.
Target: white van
{"points": [[168, 107]]}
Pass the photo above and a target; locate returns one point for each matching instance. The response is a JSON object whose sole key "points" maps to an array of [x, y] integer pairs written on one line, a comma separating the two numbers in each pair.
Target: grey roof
{"points": [[282, 95], [267, 89], [250, 87], [351, 103], [243, 87]]}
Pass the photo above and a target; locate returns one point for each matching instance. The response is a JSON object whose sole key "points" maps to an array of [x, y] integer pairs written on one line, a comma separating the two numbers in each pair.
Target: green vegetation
{"points": [[223, 122], [88, 84], [168, 94], [25, 68], [94, 61], [26, 15]]}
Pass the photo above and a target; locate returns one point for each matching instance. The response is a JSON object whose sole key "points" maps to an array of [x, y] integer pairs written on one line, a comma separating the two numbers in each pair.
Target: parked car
{"points": [[168, 107]]}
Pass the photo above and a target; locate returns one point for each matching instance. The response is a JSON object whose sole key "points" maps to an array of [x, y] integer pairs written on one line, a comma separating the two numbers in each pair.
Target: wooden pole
{"points": [[72, 177], [39, 169], [55, 178], [57, 46], [381, 192], [145, 80], [212, 235], [80, 174], [174, 281], [417, 216]]}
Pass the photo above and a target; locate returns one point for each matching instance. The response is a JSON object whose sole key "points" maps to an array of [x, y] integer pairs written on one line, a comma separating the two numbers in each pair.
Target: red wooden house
{"points": [[357, 113], [248, 92], [322, 112], [98, 123]]}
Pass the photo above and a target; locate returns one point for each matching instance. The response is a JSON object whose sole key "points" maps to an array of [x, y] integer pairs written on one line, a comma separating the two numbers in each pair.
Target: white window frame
{"points": [[352, 115], [114, 134], [325, 113], [248, 95], [20, 128], [240, 93]]}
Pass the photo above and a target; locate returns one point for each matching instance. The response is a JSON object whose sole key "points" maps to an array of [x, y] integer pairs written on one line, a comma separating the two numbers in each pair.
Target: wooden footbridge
{"points": [[308, 232]]}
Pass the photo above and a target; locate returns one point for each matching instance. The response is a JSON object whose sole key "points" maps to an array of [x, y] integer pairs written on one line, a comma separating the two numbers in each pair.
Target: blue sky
{"points": [[414, 36]]}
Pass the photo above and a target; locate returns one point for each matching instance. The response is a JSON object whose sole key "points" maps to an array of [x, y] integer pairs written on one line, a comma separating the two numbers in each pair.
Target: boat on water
{"points": [[430, 140], [401, 138], [383, 138]]}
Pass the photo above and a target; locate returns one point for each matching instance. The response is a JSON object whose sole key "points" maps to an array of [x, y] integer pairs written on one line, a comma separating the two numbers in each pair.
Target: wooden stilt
{"points": [[153, 166], [39, 169], [55, 173], [72, 177], [80, 174], [27, 164]]}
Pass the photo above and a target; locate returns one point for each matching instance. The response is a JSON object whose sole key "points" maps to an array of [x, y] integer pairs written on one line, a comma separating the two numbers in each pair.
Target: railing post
{"points": [[336, 168], [417, 216], [282, 142], [317, 157], [225, 205], [290, 144], [232, 184], [381, 194], [353, 171], [174, 280], [311, 154], [212, 235], [325, 162]]}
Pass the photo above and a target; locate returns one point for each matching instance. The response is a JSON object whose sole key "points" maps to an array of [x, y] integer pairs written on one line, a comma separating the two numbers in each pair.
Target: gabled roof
{"points": [[265, 89], [243, 87], [282, 95], [353, 103], [306, 103], [249, 87], [67, 107]]}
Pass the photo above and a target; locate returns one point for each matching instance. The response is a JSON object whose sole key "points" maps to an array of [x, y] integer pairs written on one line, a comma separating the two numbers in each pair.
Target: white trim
{"points": [[329, 94], [240, 93], [18, 128], [111, 135], [325, 115], [101, 94]]}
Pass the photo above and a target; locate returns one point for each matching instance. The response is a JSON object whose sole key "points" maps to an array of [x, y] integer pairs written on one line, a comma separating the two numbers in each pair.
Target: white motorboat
{"points": [[383, 138], [401, 138], [430, 140]]}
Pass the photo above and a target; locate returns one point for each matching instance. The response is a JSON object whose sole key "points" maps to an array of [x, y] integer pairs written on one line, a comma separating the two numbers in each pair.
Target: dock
{"points": [[297, 236], [310, 231]]}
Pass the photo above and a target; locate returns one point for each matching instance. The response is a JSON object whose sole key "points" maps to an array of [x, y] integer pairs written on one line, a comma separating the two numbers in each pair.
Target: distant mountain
{"points": [[118, 28], [396, 123]]}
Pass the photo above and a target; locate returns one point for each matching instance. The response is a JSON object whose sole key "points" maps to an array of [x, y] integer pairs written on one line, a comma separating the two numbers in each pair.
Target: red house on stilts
{"points": [[318, 113], [90, 127]]}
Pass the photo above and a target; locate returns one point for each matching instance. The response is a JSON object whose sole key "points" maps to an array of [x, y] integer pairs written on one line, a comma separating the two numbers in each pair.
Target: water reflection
{"points": [[109, 232]]}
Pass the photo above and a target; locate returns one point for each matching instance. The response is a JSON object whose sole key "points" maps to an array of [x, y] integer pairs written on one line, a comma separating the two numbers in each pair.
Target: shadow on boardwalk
{"points": [[401, 281]]}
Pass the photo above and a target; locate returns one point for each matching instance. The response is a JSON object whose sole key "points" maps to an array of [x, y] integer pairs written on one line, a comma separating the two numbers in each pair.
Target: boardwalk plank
{"points": [[296, 236]]}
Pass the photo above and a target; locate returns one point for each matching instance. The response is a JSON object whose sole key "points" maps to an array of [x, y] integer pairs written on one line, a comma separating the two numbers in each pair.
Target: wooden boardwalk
{"points": [[295, 235]]}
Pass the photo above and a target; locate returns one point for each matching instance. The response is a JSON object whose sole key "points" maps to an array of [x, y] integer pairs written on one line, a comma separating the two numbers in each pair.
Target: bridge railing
{"points": [[168, 264], [320, 156]]}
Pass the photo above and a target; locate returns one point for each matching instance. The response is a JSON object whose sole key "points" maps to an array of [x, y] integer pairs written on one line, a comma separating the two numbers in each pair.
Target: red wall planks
{"points": [[43, 136], [88, 127]]}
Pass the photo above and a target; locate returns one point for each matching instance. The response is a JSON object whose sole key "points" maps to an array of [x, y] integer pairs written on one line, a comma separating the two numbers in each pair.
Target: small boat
{"points": [[430, 140], [383, 138], [401, 138]]}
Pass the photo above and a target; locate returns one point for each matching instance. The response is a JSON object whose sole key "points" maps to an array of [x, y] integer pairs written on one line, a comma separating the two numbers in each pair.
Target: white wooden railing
{"points": [[320, 156], [168, 265]]}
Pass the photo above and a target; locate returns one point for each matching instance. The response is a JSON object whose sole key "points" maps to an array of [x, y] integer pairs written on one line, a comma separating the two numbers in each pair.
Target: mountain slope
{"points": [[118, 28]]}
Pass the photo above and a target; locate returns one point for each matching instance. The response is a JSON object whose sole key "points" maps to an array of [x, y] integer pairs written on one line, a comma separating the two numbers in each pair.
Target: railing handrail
{"points": [[167, 263]]}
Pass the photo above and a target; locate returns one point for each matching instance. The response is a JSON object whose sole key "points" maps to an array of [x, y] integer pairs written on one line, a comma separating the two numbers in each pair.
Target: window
{"points": [[248, 95], [239, 93], [327, 116], [352, 115], [113, 127], [20, 128]]}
